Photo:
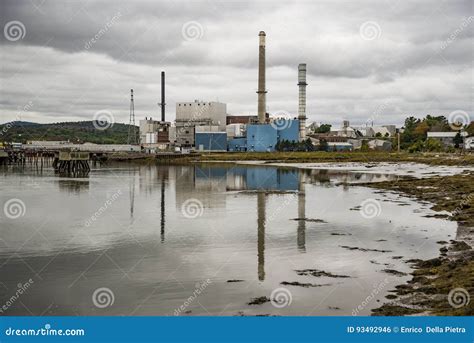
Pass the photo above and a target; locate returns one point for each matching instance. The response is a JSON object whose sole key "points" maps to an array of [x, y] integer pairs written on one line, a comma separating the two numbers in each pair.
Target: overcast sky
{"points": [[380, 60]]}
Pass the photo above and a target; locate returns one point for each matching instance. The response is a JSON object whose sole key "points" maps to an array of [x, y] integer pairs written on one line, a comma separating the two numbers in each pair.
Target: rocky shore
{"points": [[443, 285]]}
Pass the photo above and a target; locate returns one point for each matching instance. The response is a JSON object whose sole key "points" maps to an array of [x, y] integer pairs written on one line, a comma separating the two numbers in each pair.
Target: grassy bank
{"points": [[432, 280], [322, 156]]}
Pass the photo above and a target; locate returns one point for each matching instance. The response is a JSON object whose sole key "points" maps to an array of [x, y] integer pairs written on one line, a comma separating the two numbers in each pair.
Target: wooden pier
{"points": [[72, 162]]}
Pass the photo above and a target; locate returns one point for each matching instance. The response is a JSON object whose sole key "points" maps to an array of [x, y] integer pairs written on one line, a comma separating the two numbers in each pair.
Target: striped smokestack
{"points": [[261, 78], [302, 100]]}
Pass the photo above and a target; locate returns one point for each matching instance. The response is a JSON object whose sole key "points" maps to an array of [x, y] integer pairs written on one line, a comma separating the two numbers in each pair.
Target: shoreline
{"points": [[440, 159], [433, 281]]}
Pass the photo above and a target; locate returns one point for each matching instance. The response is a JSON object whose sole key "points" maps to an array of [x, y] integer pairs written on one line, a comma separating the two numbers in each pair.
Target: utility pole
{"points": [[398, 139]]}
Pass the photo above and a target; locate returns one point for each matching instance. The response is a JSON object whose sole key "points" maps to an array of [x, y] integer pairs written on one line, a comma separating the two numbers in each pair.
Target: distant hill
{"points": [[75, 132]]}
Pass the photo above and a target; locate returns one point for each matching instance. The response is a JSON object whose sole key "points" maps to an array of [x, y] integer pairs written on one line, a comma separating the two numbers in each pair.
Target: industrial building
{"points": [[155, 134], [190, 115], [210, 138]]}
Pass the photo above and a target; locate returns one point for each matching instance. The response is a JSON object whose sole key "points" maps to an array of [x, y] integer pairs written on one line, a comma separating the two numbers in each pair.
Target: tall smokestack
{"points": [[302, 99], [163, 104], [261, 78]]}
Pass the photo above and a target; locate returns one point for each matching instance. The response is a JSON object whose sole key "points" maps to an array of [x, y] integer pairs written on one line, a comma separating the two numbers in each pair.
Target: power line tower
{"points": [[132, 131]]}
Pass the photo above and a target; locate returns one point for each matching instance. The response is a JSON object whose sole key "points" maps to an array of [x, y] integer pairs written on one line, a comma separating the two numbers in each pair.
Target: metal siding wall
{"points": [[211, 141], [237, 144], [290, 133], [261, 138]]}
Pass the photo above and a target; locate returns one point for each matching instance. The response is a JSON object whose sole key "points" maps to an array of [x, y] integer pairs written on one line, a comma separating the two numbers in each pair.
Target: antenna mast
{"points": [[132, 132]]}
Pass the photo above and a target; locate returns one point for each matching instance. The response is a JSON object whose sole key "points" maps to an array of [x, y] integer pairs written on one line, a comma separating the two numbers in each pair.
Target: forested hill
{"points": [[81, 131]]}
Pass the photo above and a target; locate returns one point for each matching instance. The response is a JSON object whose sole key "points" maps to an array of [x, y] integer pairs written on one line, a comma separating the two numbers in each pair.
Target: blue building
{"points": [[289, 131], [261, 137], [264, 137], [211, 141], [237, 144]]}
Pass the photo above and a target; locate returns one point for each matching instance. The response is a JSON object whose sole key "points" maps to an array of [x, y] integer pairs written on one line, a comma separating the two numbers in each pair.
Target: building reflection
{"points": [[210, 185], [73, 186]]}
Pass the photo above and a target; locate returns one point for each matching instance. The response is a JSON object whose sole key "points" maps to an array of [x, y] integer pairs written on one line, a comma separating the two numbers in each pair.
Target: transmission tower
{"points": [[132, 131]]}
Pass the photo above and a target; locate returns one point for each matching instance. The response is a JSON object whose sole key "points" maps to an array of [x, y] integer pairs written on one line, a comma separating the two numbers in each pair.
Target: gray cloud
{"points": [[413, 67]]}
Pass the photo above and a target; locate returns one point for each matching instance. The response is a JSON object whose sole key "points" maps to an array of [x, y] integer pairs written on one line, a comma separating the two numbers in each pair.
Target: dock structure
{"points": [[72, 162], [4, 158]]}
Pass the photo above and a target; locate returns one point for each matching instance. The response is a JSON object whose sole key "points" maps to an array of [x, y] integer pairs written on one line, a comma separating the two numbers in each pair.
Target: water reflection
{"points": [[73, 186], [252, 215], [261, 209], [301, 235], [162, 212]]}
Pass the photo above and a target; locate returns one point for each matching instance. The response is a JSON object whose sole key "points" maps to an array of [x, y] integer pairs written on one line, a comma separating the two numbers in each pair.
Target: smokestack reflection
{"points": [[261, 199]]}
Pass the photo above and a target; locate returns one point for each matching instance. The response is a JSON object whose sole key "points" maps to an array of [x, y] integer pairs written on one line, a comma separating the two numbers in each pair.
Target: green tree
{"points": [[432, 145], [323, 145], [457, 140], [324, 128]]}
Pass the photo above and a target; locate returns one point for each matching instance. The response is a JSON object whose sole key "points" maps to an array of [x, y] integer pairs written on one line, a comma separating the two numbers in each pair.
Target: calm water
{"points": [[156, 235]]}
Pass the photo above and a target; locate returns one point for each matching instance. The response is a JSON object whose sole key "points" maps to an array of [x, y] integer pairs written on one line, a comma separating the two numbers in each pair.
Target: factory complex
{"points": [[205, 126]]}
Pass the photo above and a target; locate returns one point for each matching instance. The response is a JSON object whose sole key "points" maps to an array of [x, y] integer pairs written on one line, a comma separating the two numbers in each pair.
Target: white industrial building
{"points": [[190, 115], [236, 130], [154, 134], [90, 147]]}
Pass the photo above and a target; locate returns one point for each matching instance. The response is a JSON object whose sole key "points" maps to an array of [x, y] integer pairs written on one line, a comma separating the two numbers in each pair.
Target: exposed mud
{"points": [[258, 301], [319, 273], [301, 284], [311, 220], [363, 249]]}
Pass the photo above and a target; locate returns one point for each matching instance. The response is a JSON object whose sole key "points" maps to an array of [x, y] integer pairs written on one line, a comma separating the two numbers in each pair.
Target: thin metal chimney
{"points": [[261, 79], [302, 100], [163, 103]]}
